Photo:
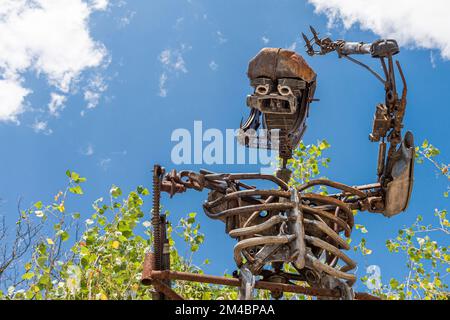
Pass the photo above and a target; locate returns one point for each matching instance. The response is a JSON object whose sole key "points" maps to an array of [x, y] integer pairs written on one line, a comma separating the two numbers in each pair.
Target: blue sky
{"points": [[154, 66]]}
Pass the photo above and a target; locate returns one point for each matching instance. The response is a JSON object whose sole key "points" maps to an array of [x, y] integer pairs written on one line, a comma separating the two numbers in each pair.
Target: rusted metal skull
{"points": [[284, 85]]}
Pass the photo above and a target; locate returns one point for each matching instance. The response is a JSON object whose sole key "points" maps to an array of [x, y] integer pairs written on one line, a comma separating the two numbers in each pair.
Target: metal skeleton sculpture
{"points": [[299, 227]]}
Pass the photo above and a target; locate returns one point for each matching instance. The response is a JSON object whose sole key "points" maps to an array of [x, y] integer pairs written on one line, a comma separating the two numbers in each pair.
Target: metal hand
{"points": [[326, 45]]}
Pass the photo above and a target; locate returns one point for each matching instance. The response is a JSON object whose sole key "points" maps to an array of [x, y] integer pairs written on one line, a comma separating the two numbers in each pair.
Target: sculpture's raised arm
{"points": [[395, 164]]}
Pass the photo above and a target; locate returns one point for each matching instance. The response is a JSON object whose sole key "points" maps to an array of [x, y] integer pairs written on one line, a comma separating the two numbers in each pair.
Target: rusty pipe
{"points": [[248, 209], [319, 225], [264, 285], [328, 200], [332, 184], [255, 214], [316, 264], [332, 249], [248, 176], [246, 193], [329, 216], [234, 282], [257, 228], [257, 241], [160, 287]]}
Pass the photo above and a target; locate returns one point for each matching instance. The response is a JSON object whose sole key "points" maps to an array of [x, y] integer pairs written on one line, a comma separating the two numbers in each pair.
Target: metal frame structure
{"points": [[286, 226]]}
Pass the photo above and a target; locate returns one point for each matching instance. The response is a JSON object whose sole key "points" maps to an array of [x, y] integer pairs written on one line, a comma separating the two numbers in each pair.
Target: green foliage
{"points": [[105, 262], [306, 162], [427, 262], [428, 152]]}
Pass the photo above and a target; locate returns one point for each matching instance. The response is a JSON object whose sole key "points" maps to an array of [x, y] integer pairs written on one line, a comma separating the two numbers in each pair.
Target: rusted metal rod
{"points": [[156, 278], [166, 290], [332, 184], [329, 216], [257, 228], [247, 176], [256, 241], [246, 193], [249, 209], [332, 201], [233, 282]]}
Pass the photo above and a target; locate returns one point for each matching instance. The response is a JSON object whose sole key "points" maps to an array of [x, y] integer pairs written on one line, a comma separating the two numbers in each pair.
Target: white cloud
{"points": [[88, 151], [41, 127], [221, 38], [12, 96], [92, 98], [432, 60], [56, 103], [48, 38], [94, 90], [265, 39], [173, 63], [162, 85], [414, 23], [178, 23], [99, 4], [105, 163], [126, 19], [213, 65], [173, 60]]}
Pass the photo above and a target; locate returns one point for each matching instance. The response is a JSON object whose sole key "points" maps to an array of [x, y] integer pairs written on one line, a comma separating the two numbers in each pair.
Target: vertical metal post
{"points": [[159, 226], [165, 261]]}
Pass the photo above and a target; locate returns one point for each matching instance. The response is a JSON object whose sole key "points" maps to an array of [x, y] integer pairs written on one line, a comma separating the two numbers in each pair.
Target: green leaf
{"points": [[361, 228], [28, 276], [76, 190], [192, 215], [76, 215], [393, 283], [65, 236], [41, 261], [143, 191], [38, 205], [324, 145], [45, 280], [74, 176], [123, 226], [115, 191]]}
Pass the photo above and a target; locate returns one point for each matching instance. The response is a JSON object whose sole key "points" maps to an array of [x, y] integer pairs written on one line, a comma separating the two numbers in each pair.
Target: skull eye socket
{"points": [[262, 86], [262, 89], [284, 90], [290, 86]]}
